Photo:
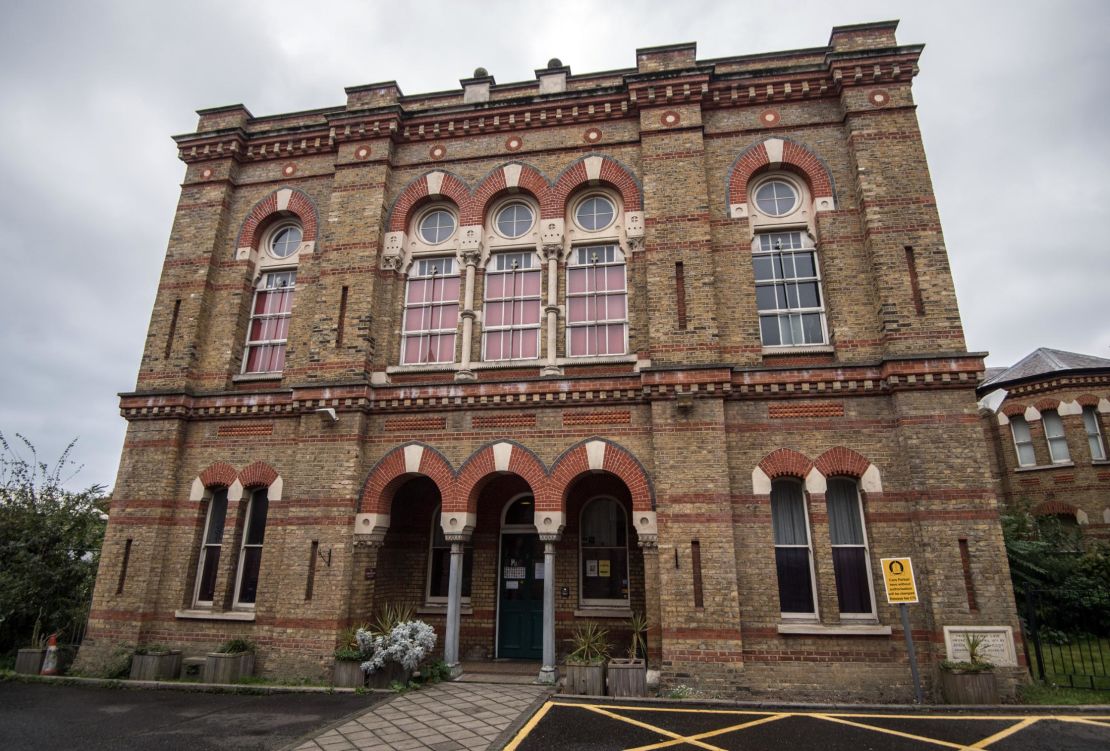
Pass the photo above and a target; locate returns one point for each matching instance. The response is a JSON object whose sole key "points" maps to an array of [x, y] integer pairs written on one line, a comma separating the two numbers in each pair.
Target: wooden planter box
{"points": [[157, 666], [391, 673], [585, 680], [969, 688], [220, 667], [627, 677], [29, 661], [346, 674]]}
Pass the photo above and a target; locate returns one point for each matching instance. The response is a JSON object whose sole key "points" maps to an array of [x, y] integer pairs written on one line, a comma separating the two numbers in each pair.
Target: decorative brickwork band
{"points": [[794, 157], [218, 474], [786, 463], [410, 459], [841, 461], [258, 475], [295, 202]]}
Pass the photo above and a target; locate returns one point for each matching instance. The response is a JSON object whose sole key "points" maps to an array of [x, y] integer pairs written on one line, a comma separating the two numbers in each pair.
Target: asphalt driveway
{"points": [[41, 716]]}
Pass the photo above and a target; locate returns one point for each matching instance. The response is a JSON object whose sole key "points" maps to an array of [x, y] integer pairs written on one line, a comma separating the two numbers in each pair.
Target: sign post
{"points": [[902, 590]]}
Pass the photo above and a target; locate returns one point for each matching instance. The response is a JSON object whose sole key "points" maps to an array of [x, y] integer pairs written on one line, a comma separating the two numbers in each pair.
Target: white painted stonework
{"points": [[774, 150], [502, 452], [512, 175], [371, 527], [872, 481], [595, 454], [738, 210], [276, 487], [998, 645], [634, 224], [1069, 408], [549, 523], [457, 524], [1031, 414], [196, 491], [1081, 517], [435, 182], [815, 482], [283, 197], [1104, 405], [593, 167], [1002, 419], [647, 526], [761, 483], [551, 231], [235, 492], [413, 455]]}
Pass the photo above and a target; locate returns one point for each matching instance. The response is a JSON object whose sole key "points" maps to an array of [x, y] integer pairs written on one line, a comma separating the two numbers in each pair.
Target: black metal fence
{"points": [[1067, 636]]}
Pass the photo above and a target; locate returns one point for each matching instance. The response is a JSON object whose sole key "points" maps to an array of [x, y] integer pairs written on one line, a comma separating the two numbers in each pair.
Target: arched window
{"points": [[603, 553], [793, 551], [211, 546], [851, 562], [439, 563], [1094, 434], [1023, 441], [250, 553], [1054, 434]]}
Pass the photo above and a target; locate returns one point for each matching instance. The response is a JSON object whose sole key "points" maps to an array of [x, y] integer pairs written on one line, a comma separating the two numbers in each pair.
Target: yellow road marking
{"points": [[711, 733], [1005, 733], [886, 731], [661, 709], [528, 727], [1102, 722], [653, 728]]}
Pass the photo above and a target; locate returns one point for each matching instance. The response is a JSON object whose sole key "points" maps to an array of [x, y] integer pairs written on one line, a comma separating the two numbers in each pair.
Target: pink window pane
{"points": [[254, 360], [445, 316], [530, 283], [615, 278], [579, 341], [495, 313], [412, 350], [617, 308], [446, 348], [283, 301], [415, 291], [448, 289], [576, 309], [529, 344], [615, 339], [495, 285], [530, 312], [414, 319], [576, 281], [280, 328], [277, 357], [493, 346], [260, 301]]}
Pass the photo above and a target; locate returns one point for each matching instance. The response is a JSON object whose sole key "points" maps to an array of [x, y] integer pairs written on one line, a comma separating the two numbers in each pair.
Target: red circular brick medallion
{"points": [[769, 117], [513, 143], [592, 135], [879, 98], [206, 174], [289, 170], [670, 118], [362, 152], [438, 151]]}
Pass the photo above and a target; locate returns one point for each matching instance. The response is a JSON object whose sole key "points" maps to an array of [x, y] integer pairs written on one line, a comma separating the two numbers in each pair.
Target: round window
{"points": [[285, 241], [514, 220], [776, 198], [437, 226], [595, 213]]}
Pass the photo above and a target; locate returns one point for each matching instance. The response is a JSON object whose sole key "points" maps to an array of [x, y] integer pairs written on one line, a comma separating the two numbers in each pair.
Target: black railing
{"points": [[1069, 646]]}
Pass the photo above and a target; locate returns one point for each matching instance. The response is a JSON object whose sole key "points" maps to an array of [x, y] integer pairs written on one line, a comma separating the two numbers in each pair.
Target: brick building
{"points": [[680, 338], [1046, 421]]}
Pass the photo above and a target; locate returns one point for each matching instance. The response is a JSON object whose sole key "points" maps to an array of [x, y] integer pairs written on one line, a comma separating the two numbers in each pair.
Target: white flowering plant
{"points": [[407, 644]]}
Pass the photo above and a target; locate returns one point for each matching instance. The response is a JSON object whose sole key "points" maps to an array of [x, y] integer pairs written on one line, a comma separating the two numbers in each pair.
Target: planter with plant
{"points": [[394, 656], [29, 660], [232, 661], [347, 672], [970, 681], [628, 675], [155, 663], [589, 650]]}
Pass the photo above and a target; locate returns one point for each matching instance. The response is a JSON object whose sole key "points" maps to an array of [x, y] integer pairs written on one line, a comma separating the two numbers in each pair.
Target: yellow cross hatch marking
{"points": [[1005, 733], [653, 728], [711, 733], [886, 731]]}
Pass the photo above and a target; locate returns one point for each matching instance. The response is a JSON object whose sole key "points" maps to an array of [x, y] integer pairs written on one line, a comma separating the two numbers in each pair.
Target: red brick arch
{"points": [[531, 182], [385, 476], [1049, 508], [265, 210], [841, 461], [618, 461], [258, 475], [1046, 403], [786, 463], [481, 464], [574, 176], [795, 157], [1013, 408], [453, 188], [218, 474], [1088, 400]]}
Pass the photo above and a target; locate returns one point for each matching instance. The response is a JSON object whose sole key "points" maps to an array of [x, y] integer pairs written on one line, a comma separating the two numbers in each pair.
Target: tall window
{"points": [[793, 554], [439, 564], [597, 302], [1023, 441], [604, 553], [211, 544], [788, 290], [269, 324], [1094, 434], [431, 312], [1054, 434], [849, 548], [250, 555], [511, 319]]}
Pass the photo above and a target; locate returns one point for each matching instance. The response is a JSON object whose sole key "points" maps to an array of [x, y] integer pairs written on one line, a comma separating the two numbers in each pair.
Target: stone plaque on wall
{"points": [[997, 648]]}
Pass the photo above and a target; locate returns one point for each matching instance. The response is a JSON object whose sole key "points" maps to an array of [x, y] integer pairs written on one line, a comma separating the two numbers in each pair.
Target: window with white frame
{"points": [[1094, 434], [512, 308], [284, 239], [211, 545], [436, 226], [250, 553], [597, 302], [848, 537], [1054, 434], [793, 552], [788, 290], [514, 219], [1023, 441], [439, 564], [603, 553], [268, 331], [431, 312]]}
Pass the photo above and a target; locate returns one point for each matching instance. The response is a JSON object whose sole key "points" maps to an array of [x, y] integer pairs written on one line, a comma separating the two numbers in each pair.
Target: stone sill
{"points": [[811, 349], [818, 629], [1042, 467], [435, 608], [215, 615], [600, 612], [250, 377], [533, 362]]}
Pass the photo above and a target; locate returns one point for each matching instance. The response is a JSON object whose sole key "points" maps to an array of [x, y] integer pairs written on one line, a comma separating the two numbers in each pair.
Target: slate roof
{"points": [[1041, 362]]}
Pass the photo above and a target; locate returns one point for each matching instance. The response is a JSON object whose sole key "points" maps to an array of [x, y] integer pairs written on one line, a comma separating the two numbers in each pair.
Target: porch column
{"points": [[454, 604], [549, 672], [551, 252]]}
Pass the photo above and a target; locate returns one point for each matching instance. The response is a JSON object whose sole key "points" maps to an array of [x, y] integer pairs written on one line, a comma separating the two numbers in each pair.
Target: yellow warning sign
{"points": [[898, 577]]}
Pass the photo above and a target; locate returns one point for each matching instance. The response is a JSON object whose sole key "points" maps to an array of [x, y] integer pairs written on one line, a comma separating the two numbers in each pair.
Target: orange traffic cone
{"points": [[50, 664]]}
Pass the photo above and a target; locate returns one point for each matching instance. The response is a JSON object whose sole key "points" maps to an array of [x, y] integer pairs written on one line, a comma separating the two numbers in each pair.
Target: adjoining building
{"points": [[680, 338], [1046, 420]]}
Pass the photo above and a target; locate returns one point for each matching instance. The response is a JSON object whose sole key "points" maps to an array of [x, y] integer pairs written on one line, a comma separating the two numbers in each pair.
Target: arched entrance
{"points": [[520, 582]]}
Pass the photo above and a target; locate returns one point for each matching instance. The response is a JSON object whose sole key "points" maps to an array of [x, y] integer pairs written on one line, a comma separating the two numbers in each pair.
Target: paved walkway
{"points": [[444, 717]]}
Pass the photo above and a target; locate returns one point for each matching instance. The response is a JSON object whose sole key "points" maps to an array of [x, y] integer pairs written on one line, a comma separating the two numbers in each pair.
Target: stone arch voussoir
{"points": [[451, 187], [795, 157], [412, 458], [282, 200], [611, 171], [529, 180], [615, 459], [491, 458], [218, 474], [786, 463], [842, 461]]}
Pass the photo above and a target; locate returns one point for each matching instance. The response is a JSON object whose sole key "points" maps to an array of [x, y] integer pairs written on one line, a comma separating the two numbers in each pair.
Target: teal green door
{"points": [[520, 587]]}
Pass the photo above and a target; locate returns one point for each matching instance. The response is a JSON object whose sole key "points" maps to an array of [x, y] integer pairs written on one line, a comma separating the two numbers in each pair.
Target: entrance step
{"points": [[520, 672]]}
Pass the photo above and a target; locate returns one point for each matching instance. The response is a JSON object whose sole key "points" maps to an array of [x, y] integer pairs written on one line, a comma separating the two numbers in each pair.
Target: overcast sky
{"points": [[1013, 103]]}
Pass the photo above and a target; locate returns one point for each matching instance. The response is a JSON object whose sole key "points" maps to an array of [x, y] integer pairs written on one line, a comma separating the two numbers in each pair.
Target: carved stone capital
{"points": [[649, 544], [393, 262], [552, 250], [370, 529], [457, 526], [635, 244], [647, 527], [470, 242], [550, 525], [634, 224], [551, 232]]}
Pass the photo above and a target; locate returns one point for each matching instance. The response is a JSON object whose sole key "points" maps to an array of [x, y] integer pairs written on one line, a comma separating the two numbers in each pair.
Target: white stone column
{"points": [[470, 260], [552, 252], [549, 672], [454, 609]]}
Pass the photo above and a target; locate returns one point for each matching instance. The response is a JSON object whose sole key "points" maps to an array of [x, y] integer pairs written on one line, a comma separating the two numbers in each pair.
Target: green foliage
{"points": [[1051, 694], [638, 641], [589, 644], [435, 671], [391, 615], [348, 649], [681, 691], [237, 646], [49, 544]]}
